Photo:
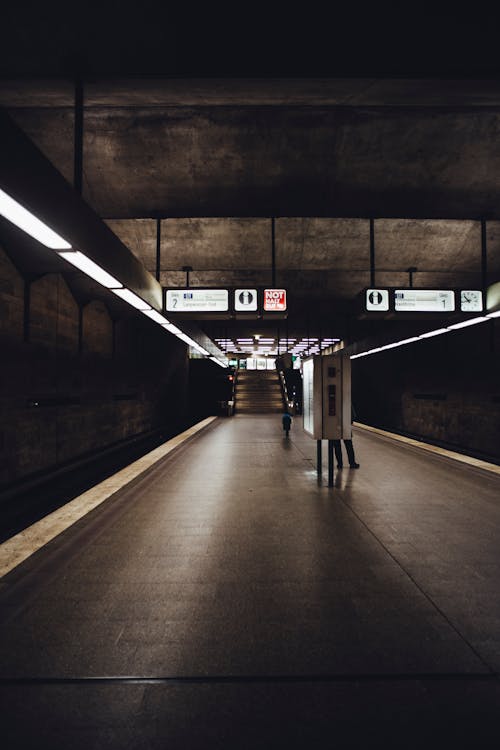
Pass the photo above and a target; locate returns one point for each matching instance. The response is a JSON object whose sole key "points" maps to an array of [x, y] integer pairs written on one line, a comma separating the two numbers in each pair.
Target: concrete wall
{"points": [[73, 381], [445, 390]]}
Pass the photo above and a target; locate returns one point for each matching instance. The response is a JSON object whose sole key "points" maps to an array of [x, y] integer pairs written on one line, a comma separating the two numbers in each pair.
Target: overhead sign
{"points": [[424, 300], [197, 300], [274, 300], [245, 300], [377, 300]]}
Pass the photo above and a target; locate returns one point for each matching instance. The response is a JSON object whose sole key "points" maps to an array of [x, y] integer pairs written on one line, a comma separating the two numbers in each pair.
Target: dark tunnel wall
{"points": [[445, 390], [210, 388], [71, 386]]}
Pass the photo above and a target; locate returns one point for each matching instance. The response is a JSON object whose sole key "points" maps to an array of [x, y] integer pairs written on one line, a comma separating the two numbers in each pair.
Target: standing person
{"points": [[286, 421], [350, 453], [348, 447]]}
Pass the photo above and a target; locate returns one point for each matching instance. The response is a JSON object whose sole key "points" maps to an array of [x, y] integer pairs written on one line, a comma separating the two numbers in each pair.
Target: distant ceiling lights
{"points": [[13, 211]]}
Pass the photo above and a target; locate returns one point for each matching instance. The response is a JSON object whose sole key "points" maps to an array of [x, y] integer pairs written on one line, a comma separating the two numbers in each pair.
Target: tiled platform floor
{"points": [[236, 603]]}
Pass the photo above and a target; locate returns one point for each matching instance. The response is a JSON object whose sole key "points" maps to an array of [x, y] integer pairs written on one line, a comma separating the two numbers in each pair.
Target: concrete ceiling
{"points": [[214, 158]]}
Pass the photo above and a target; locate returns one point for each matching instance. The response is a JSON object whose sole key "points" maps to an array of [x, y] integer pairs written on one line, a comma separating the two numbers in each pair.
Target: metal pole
{"points": [[273, 253], [372, 252], [411, 271], [319, 462], [78, 138], [484, 260], [187, 269], [330, 463], [158, 248]]}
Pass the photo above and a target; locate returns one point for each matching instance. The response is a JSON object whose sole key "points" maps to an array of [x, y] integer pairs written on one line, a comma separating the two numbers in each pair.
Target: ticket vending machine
{"points": [[327, 411]]}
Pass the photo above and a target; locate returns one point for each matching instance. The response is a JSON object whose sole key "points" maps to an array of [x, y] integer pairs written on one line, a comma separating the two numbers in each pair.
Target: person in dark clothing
{"points": [[286, 420], [337, 447]]}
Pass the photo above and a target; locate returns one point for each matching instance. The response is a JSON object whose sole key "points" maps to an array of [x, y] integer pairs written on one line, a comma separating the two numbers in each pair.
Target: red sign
{"points": [[274, 299]]}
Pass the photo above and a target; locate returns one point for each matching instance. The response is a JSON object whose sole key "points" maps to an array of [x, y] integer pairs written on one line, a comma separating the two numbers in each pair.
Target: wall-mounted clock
{"points": [[471, 300]]}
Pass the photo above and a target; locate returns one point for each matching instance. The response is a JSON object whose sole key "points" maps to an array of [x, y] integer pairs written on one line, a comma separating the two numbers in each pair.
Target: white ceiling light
{"points": [[173, 329], [82, 262], [407, 341], [28, 222], [494, 314], [465, 323], [437, 332], [132, 299], [199, 348], [156, 317]]}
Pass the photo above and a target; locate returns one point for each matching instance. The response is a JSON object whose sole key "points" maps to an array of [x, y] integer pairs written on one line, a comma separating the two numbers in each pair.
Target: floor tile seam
{"points": [[428, 447], [424, 593], [18, 548]]}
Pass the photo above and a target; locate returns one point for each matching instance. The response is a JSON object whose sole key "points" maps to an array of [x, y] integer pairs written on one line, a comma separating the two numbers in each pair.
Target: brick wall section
{"points": [[53, 315], [446, 390], [11, 300], [97, 330], [86, 400]]}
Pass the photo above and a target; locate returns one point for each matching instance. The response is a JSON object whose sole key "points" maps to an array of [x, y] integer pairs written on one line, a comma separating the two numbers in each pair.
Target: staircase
{"points": [[258, 392]]}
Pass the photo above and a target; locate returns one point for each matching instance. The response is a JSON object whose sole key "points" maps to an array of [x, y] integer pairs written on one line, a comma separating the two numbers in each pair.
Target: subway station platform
{"points": [[223, 598]]}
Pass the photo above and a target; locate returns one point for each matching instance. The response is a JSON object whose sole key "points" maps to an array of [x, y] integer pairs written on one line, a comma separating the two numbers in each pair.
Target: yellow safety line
{"points": [[493, 468], [19, 547]]}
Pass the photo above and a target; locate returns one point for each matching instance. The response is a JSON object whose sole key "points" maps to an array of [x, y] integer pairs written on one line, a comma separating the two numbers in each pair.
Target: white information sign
{"points": [[377, 300], [197, 300], [424, 300], [245, 300]]}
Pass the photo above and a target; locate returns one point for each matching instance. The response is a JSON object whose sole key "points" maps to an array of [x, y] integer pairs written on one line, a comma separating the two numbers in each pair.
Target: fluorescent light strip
{"points": [[200, 349], [83, 263], [173, 329], [184, 337], [429, 334], [132, 299], [218, 362], [156, 317], [28, 222], [437, 332], [465, 323]]}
